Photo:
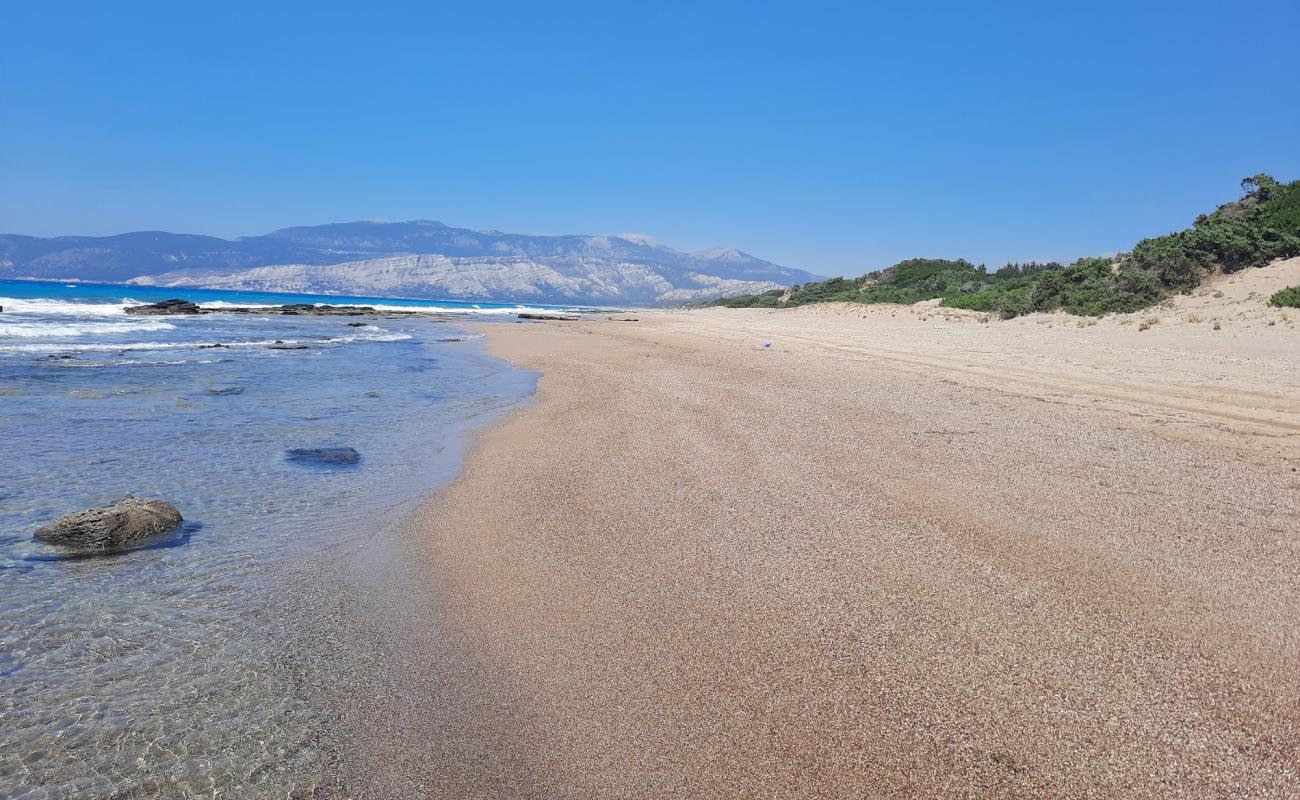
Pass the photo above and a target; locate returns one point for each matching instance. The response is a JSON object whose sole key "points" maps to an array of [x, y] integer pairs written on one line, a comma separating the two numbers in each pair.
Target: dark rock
{"points": [[289, 309], [129, 519], [165, 307], [307, 309], [358, 324], [329, 456], [211, 346], [566, 317], [288, 347]]}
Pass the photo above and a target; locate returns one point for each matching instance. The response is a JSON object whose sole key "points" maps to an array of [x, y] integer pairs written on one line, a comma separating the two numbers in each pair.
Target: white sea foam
{"points": [[14, 305], [511, 310], [218, 305], [80, 364], [67, 330], [375, 335], [66, 307], [105, 347]]}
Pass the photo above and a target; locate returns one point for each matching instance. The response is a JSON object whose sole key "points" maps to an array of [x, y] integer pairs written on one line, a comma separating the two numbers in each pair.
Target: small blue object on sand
{"points": [[766, 345]]}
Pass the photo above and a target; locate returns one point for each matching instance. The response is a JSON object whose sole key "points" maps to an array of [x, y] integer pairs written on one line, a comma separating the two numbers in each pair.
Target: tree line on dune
{"points": [[1262, 226]]}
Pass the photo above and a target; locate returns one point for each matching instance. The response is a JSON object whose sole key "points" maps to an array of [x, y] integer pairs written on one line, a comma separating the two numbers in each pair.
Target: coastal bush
{"points": [[1262, 226], [1282, 209], [767, 299], [1287, 298], [824, 292]]}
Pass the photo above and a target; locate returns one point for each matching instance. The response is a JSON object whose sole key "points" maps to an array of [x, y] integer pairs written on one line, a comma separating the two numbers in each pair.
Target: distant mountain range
{"points": [[404, 259]]}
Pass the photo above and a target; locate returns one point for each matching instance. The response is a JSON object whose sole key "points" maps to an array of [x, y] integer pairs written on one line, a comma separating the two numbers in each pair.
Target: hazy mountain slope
{"points": [[568, 280], [419, 258]]}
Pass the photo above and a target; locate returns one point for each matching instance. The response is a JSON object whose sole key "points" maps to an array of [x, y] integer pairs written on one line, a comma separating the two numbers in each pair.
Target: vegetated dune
{"points": [[1221, 354], [1261, 227], [1236, 301]]}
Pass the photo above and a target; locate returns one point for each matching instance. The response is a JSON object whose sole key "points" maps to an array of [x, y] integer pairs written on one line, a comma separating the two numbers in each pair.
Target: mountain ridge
{"points": [[414, 257]]}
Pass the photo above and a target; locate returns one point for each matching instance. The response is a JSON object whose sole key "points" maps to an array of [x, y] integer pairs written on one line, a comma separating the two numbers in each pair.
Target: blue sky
{"points": [[837, 137]]}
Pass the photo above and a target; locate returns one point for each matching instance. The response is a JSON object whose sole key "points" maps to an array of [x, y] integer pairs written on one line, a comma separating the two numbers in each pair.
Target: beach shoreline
{"points": [[894, 553]]}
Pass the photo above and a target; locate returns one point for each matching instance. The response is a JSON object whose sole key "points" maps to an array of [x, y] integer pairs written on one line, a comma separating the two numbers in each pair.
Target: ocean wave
{"points": [[116, 308], [40, 305], [74, 363], [375, 335], [218, 305], [67, 330], [511, 310]]}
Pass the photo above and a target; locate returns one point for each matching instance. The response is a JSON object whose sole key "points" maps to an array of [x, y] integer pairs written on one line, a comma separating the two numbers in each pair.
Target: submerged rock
{"points": [[330, 456], [129, 519], [165, 307]]}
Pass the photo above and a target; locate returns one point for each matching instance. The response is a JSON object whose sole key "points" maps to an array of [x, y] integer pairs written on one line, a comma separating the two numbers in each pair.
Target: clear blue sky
{"points": [[835, 137]]}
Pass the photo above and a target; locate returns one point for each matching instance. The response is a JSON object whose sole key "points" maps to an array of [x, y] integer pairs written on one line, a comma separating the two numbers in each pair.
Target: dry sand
{"points": [[900, 553]]}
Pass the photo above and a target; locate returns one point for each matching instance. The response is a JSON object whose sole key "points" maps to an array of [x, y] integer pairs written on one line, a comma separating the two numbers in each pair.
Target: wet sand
{"points": [[899, 553]]}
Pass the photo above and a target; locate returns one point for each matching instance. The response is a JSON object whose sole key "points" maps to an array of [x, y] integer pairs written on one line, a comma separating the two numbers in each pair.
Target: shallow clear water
{"points": [[168, 670]]}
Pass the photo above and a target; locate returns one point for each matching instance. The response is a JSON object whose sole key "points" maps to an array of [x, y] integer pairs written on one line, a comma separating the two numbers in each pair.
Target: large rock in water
{"points": [[127, 520], [165, 307]]}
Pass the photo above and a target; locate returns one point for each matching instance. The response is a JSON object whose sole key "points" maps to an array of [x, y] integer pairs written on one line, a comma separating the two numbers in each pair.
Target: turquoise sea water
{"points": [[165, 671], [83, 292]]}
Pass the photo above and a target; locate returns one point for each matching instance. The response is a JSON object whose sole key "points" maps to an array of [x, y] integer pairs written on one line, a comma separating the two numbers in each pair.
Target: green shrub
{"points": [[1287, 298], [1282, 211], [768, 299], [1262, 226], [824, 292]]}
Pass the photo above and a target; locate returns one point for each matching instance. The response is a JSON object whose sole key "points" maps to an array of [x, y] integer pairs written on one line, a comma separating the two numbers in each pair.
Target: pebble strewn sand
{"points": [[890, 556]]}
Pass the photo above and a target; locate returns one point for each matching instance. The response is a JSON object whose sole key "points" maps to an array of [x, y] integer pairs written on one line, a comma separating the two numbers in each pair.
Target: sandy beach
{"points": [[901, 552]]}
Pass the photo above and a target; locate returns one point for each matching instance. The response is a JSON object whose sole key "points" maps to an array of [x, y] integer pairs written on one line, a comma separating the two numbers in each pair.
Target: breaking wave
{"points": [[14, 305], [68, 330], [373, 335], [218, 305]]}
